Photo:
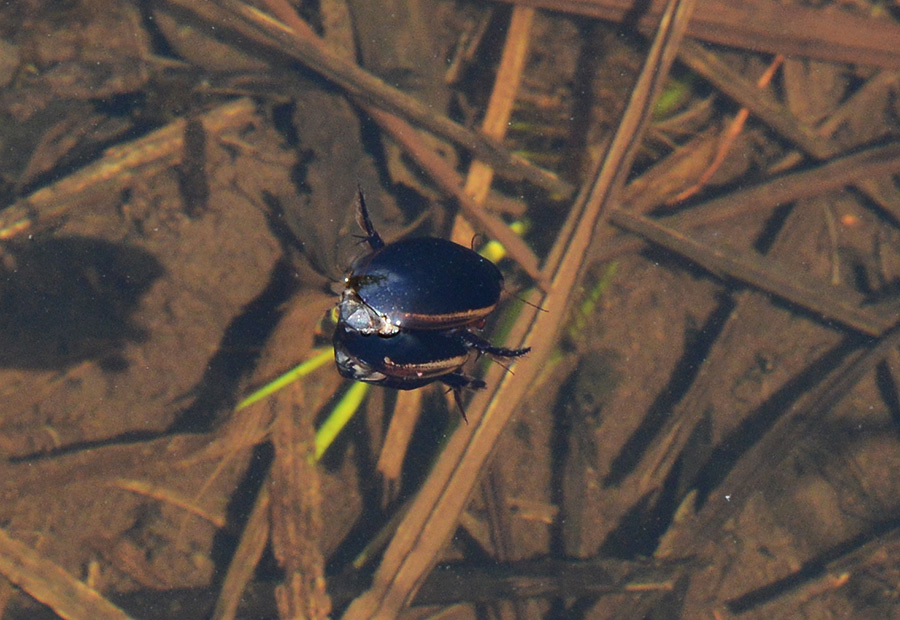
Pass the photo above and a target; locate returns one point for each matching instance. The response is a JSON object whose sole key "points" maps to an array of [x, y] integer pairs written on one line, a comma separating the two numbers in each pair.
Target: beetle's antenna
{"points": [[362, 218], [502, 365], [525, 301]]}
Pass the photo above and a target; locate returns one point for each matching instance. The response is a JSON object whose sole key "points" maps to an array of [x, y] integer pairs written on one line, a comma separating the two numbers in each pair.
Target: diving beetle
{"points": [[406, 313], [421, 283]]}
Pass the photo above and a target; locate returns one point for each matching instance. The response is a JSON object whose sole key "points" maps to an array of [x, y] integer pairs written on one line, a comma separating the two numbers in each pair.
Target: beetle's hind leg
{"points": [[459, 382], [476, 342]]}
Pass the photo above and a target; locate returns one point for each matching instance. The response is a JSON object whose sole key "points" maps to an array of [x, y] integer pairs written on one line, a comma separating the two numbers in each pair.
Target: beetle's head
{"points": [[354, 314]]}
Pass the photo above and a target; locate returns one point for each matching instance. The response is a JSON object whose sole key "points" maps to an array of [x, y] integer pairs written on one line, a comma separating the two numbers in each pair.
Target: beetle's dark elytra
{"points": [[427, 283], [405, 361]]}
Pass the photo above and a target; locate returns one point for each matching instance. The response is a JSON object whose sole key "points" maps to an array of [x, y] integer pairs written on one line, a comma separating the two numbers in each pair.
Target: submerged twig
{"points": [[763, 25], [119, 165], [246, 557], [544, 579], [48, 583], [760, 272]]}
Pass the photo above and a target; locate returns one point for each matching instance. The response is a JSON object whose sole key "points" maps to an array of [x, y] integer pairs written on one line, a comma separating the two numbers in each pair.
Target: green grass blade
{"points": [[317, 361]]}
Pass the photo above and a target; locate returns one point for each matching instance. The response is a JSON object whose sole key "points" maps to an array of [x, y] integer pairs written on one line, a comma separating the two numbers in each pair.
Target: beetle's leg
{"points": [[362, 218], [459, 382], [474, 341]]}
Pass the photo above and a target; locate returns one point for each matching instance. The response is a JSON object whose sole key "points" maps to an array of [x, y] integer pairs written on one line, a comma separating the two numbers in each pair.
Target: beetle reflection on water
{"points": [[408, 308]]}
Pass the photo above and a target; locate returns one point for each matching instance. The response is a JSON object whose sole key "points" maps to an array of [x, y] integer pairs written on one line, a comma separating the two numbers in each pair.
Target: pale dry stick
{"points": [[47, 582], [396, 440], [165, 495], [499, 110], [435, 512]]}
